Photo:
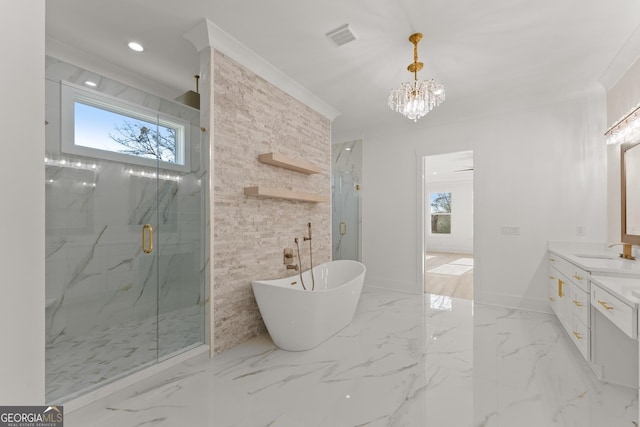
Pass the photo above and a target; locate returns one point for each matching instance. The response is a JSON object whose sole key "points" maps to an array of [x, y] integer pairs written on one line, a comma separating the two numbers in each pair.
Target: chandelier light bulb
{"points": [[417, 98]]}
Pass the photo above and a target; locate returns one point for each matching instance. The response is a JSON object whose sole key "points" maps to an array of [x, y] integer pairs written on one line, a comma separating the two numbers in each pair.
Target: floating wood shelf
{"points": [[281, 161], [279, 193]]}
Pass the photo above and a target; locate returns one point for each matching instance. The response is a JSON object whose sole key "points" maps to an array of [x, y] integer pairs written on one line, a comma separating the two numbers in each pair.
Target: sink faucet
{"points": [[626, 250]]}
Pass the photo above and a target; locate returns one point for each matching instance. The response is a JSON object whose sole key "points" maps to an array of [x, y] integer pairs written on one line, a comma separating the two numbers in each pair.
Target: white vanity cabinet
{"points": [[623, 315], [596, 296], [569, 289], [615, 329]]}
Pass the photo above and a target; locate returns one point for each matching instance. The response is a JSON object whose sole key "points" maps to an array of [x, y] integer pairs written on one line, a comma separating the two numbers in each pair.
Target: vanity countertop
{"points": [[597, 258], [625, 288]]}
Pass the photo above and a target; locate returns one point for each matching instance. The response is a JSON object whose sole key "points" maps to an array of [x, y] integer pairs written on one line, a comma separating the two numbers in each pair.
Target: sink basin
{"points": [[598, 256]]}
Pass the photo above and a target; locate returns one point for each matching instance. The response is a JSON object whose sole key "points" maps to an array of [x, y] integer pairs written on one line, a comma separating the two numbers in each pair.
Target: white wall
{"points": [[542, 169], [461, 238], [22, 26]]}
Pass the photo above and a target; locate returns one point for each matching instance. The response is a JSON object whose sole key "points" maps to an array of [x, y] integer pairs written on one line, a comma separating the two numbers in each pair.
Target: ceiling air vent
{"points": [[342, 35]]}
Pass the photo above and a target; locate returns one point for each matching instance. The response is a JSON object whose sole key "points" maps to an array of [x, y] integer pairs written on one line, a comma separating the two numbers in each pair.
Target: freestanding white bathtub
{"points": [[300, 320]]}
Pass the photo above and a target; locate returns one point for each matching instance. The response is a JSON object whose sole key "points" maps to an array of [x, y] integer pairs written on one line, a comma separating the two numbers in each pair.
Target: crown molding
{"points": [[208, 35], [623, 60]]}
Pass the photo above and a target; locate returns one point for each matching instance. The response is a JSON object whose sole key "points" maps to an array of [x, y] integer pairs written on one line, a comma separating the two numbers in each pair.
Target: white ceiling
{"points": [[490, 55]]}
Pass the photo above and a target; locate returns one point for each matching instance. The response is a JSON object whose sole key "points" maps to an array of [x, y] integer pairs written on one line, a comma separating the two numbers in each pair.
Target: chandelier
{"points": [[417, 98]]}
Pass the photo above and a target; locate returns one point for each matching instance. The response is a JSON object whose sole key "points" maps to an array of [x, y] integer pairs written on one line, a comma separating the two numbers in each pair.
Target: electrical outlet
{"points": [[510, 230], [581, 230]]}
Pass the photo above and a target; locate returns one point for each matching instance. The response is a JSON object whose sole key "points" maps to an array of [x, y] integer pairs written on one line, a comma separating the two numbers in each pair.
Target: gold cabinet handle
{"points": [[560, 283], [575, 276], [577, 335], [605, 305], [343, 228], [578, 303], [552, 299], [147, 238]]}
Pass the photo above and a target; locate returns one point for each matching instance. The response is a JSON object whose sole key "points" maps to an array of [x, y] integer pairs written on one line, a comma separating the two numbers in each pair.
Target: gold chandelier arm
{"points": [[416, 66]]}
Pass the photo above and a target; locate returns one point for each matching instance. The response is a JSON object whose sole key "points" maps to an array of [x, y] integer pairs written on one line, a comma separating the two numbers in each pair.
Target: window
{"points": [[440, 213], [97, 125]]}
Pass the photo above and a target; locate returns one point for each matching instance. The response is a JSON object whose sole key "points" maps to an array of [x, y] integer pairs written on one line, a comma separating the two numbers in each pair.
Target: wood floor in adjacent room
{"points": [[449, 274]]}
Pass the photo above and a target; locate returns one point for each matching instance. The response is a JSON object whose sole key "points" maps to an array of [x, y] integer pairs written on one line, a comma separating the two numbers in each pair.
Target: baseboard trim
{"points": [[393, 285], [540, 305]]}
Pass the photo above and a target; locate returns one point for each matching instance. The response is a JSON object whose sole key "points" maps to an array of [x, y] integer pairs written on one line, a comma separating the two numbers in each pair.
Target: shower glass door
{"points": [[346, 172], [124, 231], [345, 216]]}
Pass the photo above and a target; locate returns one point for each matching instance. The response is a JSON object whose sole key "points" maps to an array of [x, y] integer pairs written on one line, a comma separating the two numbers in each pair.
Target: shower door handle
{"points": [[147, 238], [343, 228]]}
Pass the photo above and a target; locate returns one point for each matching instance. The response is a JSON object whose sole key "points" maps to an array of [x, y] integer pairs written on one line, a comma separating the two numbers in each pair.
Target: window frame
{"points": [[71, 93]]}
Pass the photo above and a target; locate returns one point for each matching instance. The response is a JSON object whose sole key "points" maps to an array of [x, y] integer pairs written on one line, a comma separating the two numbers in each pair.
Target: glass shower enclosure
{"points": [[126, 208], [345, 193]]}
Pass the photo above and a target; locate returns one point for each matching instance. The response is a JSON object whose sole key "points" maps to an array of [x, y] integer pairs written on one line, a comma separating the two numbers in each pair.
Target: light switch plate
{"points": [[510, 230]]}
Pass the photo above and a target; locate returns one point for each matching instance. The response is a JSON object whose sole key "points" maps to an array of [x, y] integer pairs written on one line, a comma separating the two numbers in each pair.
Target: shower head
{"points": [[191, 98]]}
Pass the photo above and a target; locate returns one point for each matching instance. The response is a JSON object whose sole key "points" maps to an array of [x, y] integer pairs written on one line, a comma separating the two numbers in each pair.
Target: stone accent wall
{"points": [[252, 117]]}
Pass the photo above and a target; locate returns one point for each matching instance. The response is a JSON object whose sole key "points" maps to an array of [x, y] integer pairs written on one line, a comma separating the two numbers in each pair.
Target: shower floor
{"points": [[73, 364]]}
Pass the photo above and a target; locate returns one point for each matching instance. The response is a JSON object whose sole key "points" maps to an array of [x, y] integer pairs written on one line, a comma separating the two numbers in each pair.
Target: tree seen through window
{"points": [[440, 213]]}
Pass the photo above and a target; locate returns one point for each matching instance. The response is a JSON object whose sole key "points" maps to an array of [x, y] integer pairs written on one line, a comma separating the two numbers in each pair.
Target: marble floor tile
{"points": [[405, 360], [74, 364]]}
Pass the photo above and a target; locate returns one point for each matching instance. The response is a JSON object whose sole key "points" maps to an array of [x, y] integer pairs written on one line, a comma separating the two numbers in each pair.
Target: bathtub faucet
{"points": [[313, 279], [299, 263], [308, 237]]}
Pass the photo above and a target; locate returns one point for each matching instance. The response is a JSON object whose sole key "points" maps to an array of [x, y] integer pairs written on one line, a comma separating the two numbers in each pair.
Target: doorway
{"points": [[447, 212]]}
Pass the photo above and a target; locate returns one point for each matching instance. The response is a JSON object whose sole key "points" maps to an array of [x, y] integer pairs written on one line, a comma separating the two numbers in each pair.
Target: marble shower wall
{"points": [[96, 274], [346, 176], [346, 157], [254, 117]]}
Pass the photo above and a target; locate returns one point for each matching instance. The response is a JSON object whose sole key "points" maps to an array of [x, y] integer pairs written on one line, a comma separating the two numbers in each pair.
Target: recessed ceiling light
{"points": [[435, 173], [135, 46], [90, 83], [348, 148]]}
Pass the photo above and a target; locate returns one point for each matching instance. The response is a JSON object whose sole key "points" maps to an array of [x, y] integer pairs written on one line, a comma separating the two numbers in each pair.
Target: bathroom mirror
{"points": [[630, 167]]}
